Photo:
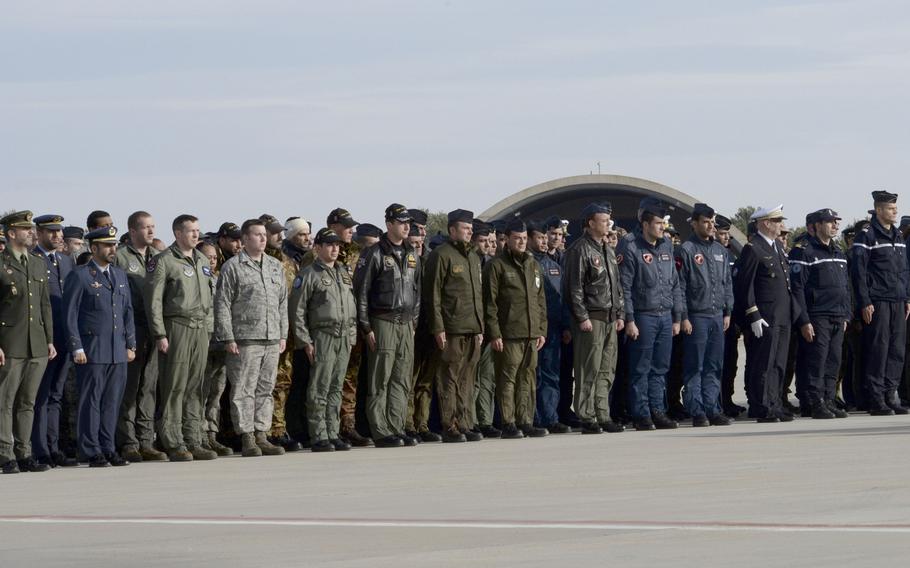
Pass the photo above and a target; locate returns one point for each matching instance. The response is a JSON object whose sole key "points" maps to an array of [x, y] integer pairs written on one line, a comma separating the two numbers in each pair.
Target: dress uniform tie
{"points": [[107, 276]]}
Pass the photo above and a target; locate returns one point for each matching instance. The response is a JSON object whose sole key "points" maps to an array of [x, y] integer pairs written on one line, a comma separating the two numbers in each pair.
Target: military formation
{"points": [[267, 337]]}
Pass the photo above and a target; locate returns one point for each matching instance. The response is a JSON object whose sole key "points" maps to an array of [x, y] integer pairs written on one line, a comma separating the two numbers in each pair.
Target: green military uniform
{"points": [[515, 309], [180, 309], [136, 425], [484, 405], [26, 330], [323, 314], [456, 308], [283, 380]]}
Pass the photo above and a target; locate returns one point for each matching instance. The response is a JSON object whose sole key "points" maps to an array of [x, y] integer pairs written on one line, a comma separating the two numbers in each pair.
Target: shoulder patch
{"points": [[795, 268], [699, 259], [298, 281], [207, 271], [153, 264]]}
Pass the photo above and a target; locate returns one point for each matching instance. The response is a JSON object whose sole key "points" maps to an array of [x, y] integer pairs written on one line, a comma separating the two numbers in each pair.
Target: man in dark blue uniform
{"points": [[707, 287], [653, 305], [102, 339], [49, 403], [763, 308], [880, 284], [820, 281], [722, 226], [548, 363]]}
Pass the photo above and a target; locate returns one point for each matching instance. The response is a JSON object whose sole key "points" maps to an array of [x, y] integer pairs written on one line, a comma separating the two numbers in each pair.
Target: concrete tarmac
{"points": [[807, 493]]}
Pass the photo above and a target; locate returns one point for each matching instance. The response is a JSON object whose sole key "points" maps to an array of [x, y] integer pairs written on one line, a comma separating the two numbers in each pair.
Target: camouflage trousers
{"points": [[349, 388], [282, 389]]}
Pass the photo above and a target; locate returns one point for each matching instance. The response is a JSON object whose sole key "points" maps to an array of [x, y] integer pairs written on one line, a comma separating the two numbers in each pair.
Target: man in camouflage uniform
{"points": [[484, 240]]}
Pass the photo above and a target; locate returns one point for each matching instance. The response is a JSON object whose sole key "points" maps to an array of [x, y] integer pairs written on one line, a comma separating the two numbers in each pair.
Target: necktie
{"points": [[107, 276]]}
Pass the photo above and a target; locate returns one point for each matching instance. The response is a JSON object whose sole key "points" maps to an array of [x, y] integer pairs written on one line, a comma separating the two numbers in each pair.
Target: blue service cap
{"points": [[593, 209], [653, 206], [50, 222]]}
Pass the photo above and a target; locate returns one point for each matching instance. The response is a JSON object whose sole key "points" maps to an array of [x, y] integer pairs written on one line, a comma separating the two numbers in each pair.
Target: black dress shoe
{"points": [[11, 466], [700, 422], [837, 411], [355, 439], [785, 404], [591, 428], [98, 460], [881, 412], [662, 421], [407, 440], [770, 419], [898, 409], [453, 437], [427, 436], [389, 442], [320, 446], [285, 441], [533, 431], [490, 432], [29, 464], [785, 416], [340, 445], [558, 428], [821, 412], [511, 432], [472, 435], [720, 420], [611, 427], [413, 434], [644, 424], [116, 459]]}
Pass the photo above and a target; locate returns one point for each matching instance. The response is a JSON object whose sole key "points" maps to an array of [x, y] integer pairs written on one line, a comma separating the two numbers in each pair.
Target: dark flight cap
{"points": [[552, 222], [368, 230], [593, 209], [461, 216], [884, 197], [326, 236], [18, 220], [702, 210], [536, 227], [516, 225], [397, 212], [102, 235], [826, 214], [50, 222], [481, 229], [653, 206], [498, 225], [722, 223], [230, 230], [340, 217], [414, 231], [73, 232], [418, 216], [272, 224]]}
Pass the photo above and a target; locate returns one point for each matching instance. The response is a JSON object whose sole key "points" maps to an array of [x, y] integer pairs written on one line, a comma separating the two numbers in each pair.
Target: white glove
{"points": [[757, 326]]}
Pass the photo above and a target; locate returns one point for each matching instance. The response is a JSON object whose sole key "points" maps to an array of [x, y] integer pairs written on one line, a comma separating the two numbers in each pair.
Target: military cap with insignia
{"points": [[368, 230], [272, 225], [884, 197], [49, 222], [516, 225], [342, 217], [768, 213], [397, 212], [418, 216], [326, 236], [461, 216], [230, 230], [102, 235], [17, 220], [722, 223], [827, 214], [73, 232]]}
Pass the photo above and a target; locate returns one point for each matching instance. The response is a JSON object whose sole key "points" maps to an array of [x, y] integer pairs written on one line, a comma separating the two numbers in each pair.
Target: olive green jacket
{"points": [[181, 289], [136, 267], [322, 298], [515, 304], [26, 324], [452, 289]]}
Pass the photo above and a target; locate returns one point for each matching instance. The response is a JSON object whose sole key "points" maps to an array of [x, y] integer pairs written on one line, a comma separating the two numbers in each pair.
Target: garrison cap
{"points": [[368, 230], [397, 212], [230, 230], [326, 236], [18, 220], [516, 225], [653, 206], [340, 216], [49, 222], [73, 232], [884, 197], [827, 214], [593, 209], [461, 216], [414, 231], [536, 227], [552, 222], [481, 229], [102, 235], [702, 210], [722, 223], [768, 213], [498, 225], [418, 216]]}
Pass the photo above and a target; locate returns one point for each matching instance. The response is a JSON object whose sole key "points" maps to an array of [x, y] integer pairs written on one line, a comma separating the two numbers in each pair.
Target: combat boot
{"points": [[285, 441], [180, 454], [131, 454], [355, 439], [662, 421], [837, 411], [201, 453], [249, 447], [217, 446], [511, 432], [611, 426], [820, 411], [268, 449], [531, 431], [149, 453], [427, 436]]}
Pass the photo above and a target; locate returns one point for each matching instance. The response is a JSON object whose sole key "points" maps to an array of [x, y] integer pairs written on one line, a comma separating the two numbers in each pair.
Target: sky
{"points": [[229, 109]]}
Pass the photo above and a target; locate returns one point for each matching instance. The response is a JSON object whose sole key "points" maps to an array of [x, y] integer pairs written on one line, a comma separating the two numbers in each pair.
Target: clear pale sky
{"points": [[231, 109]]}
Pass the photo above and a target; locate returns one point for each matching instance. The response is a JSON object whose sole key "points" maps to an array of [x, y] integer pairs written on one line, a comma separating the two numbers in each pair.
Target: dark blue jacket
{"points": [[820, 281], [761, 288], [557, 310], [58, 269], [879, 270], [705, 279], [650, 283], [99, 317]]}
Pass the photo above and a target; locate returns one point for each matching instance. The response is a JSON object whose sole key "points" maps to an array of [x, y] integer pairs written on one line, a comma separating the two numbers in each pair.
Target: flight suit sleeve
{"points": [[129, 320], [418, 284], [297, 305], [72, 299], [684, 261], [542, 307], [573, 284], [744, 288], [225, 292], [799, 276], [490, 297], [155, 308], [435, 280], [627, 270], [367, 268]]}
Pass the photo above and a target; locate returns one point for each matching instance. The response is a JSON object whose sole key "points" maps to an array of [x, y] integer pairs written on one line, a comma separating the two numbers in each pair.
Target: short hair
{"points": [[132, 222], [647, 217], [251, 223], [181, 219], [92, 220]]}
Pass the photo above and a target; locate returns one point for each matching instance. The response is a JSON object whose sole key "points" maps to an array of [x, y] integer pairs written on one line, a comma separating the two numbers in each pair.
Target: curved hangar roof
{"points": [[565, 197]]}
